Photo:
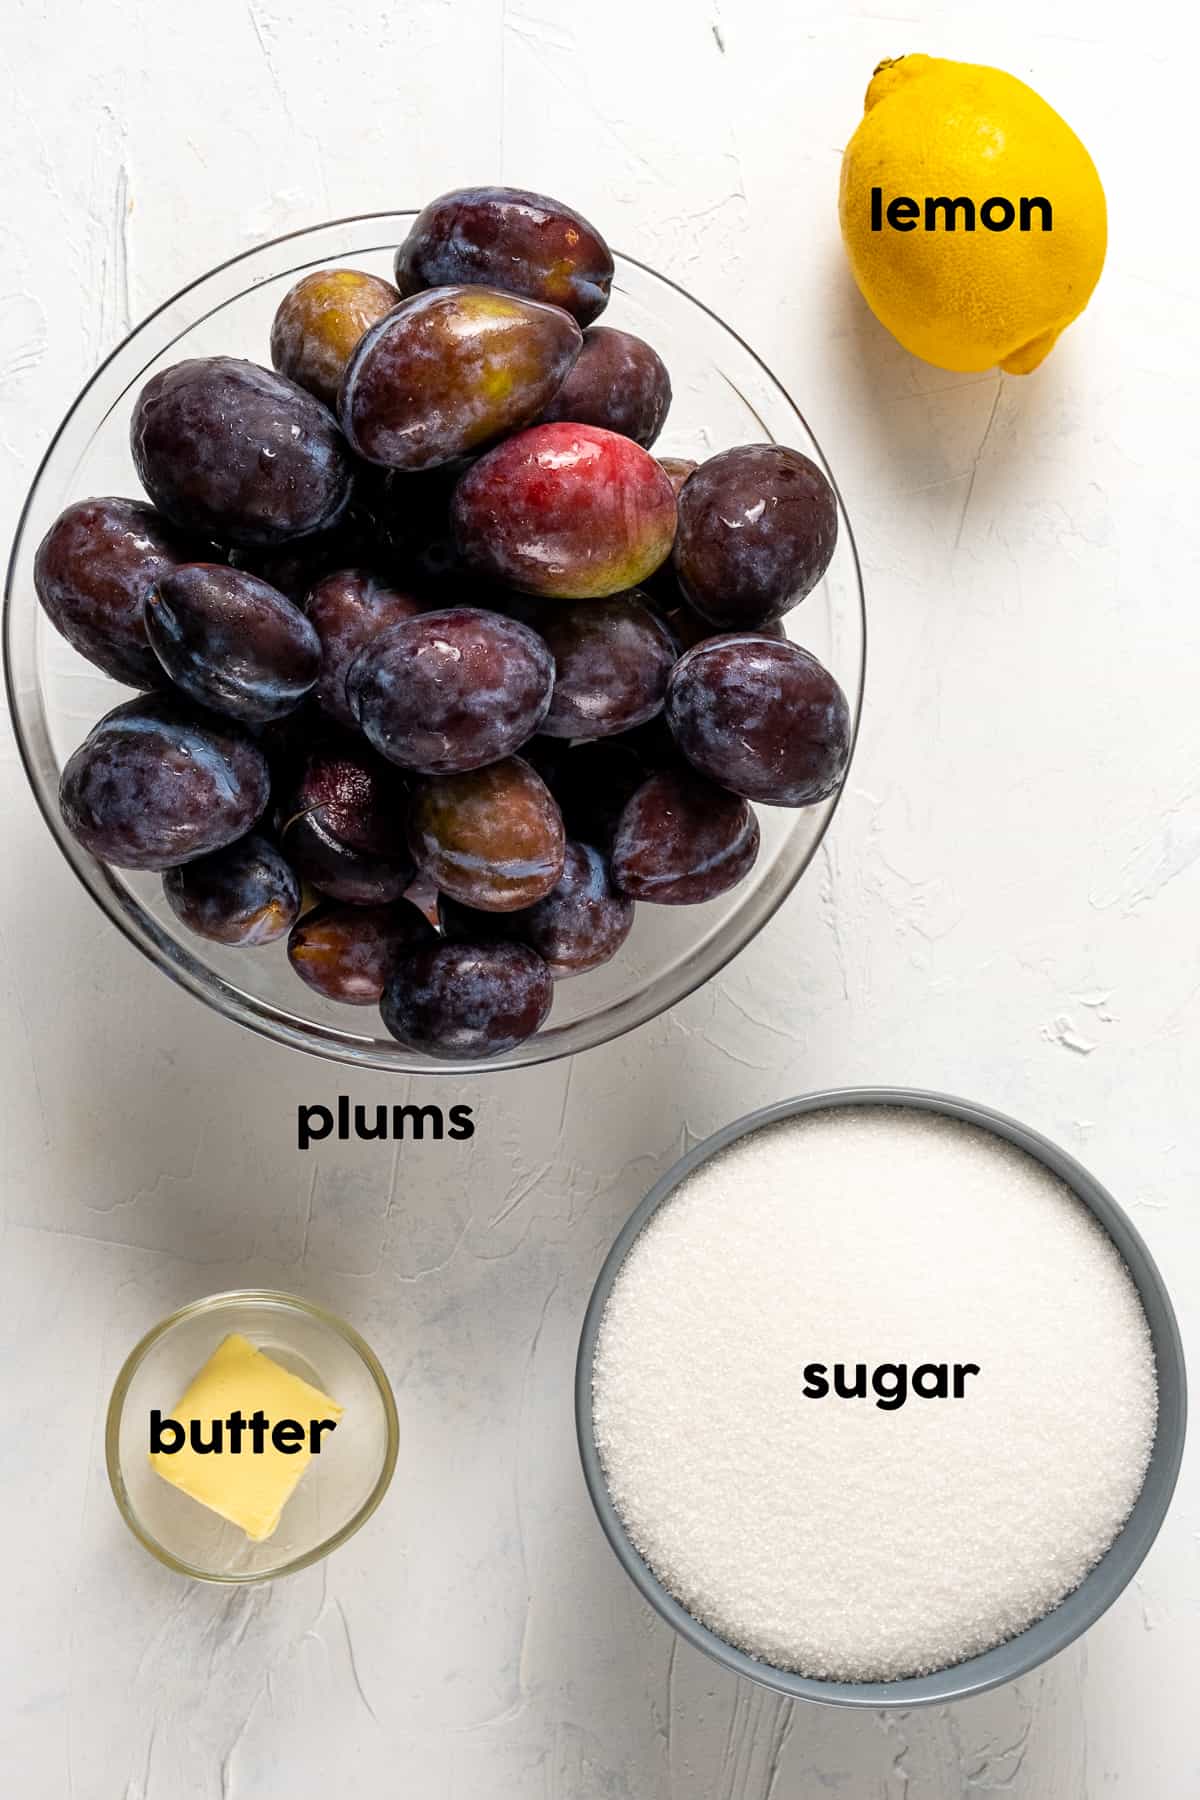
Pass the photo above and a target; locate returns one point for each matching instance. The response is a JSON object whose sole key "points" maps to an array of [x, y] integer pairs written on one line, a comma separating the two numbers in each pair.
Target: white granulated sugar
{"points": [[829, 1536]]}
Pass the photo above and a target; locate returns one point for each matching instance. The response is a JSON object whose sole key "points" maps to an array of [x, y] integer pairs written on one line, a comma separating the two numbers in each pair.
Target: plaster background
{"points": [[1004, 907]]}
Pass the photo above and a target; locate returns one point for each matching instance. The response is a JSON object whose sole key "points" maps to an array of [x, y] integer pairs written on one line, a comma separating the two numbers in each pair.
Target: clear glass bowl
{"points": [[339, 1489], [723, 395]]}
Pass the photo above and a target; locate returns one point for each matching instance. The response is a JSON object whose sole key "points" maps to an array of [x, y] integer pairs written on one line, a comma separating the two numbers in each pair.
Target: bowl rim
{"points": [[1080, 1609], [315, 1037], [210, 1303]]}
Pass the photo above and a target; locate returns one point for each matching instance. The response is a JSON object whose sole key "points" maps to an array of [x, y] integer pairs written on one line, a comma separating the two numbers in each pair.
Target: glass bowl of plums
{"points": [[435, 640]]}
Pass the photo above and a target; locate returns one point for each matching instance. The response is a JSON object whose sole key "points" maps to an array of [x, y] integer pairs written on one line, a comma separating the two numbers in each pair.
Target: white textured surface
{"points": [[1006, 907]]}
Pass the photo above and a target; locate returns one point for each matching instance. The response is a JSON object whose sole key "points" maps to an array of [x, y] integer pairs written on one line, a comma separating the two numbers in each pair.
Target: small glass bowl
{"points": [[723, 395], [338, 1491]]}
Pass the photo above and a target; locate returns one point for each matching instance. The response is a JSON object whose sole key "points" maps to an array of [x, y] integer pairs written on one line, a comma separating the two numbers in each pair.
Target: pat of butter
{"points": [[248, 1487]]}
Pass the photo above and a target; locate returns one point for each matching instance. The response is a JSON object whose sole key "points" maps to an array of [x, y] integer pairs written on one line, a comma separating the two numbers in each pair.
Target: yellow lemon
{"points": [[1002, 238]]}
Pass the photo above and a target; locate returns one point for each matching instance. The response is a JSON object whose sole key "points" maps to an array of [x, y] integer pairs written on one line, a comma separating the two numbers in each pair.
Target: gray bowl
{"points": [[1095, 1593]]}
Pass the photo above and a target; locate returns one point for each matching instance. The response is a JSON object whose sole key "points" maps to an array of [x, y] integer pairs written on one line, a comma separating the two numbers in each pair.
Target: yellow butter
{"points": [[249, 1488]]}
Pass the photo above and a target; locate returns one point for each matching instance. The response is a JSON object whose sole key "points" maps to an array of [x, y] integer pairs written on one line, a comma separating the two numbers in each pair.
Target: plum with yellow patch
{"points": [[566, 512], [451, 369], [320, 321]]}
